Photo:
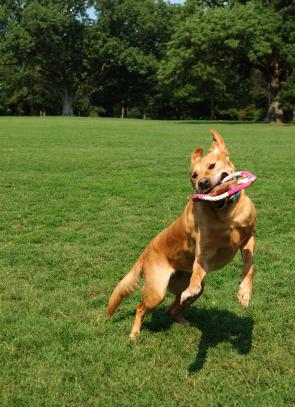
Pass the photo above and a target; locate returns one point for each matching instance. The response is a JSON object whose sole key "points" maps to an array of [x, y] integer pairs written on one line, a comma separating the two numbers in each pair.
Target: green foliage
{"points": [[134, 113], [80, 199], [207, 58], [136, 33], [96, 111], [287, 97], [47, 39], [214, 51]]}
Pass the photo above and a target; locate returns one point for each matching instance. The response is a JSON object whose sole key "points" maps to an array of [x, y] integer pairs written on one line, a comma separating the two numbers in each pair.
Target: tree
{"points": [[47, 37], [207, 58], [199, 62], [215, 48], [286, 95], [135, 36], [273, 49]]}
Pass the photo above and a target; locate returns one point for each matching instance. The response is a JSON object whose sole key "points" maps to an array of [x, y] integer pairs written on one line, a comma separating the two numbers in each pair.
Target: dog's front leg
{"points": [[195, 285], [246, 286]]}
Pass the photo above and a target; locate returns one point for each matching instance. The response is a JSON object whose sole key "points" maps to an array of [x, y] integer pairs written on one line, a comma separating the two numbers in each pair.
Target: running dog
{"points": [[204, 238]]}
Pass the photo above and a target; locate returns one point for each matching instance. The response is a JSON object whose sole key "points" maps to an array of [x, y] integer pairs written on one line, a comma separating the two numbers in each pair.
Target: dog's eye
{"points": [[194, 175], [211, 166]]}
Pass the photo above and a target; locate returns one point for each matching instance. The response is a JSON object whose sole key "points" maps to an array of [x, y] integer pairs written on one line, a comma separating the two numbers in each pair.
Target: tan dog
{"points": [[205, 237]]}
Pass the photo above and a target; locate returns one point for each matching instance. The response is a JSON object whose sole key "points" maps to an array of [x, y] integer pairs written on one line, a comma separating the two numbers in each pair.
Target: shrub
{"points": [[134, 113], [96, 111]]}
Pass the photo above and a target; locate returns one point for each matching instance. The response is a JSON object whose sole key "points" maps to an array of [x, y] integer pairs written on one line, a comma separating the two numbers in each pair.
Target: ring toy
{"points": [[244, 180]]}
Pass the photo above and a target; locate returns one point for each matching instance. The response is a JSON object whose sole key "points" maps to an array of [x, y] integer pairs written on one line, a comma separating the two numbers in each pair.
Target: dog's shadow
{"points": [[215, 325]]}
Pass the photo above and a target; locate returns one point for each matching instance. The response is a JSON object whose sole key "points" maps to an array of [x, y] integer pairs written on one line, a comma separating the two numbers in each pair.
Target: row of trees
{"points": [[149, 58]]}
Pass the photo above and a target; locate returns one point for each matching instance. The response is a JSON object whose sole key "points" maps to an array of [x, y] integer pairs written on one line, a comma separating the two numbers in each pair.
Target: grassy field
{"points": [[80, 199]]}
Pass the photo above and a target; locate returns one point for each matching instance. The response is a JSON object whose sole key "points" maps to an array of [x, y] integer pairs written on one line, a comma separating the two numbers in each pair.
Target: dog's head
{"points": [[210, 169]]}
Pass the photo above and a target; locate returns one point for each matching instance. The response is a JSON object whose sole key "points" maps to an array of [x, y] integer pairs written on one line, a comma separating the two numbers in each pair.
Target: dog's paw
{"points": [[244, 296], [177, 316], [133, 336], [189, 294]]}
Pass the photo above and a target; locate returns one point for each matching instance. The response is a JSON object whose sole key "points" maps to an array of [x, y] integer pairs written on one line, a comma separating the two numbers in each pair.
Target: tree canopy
{"points": [[149, 58]]}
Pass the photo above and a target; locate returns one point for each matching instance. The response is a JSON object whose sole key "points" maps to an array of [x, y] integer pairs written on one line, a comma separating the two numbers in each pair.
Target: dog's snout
{"points": [[204, 183], [223, 175]]}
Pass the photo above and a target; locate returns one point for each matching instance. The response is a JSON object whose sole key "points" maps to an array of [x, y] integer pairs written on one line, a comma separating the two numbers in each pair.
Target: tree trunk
{"points": [[212, 108], [274, 113], [67, 103], [177, 113], [124, 113]]}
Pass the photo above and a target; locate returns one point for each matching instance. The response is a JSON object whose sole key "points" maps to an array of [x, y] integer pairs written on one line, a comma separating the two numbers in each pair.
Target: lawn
{"points": [[80, 199]]}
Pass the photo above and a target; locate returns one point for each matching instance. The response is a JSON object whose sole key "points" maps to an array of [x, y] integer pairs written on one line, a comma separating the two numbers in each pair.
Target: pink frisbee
{"points": [[244, 178]]}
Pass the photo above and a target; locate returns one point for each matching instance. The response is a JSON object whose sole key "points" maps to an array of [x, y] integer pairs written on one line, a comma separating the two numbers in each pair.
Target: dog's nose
{"points": [[204, 183], [223, 175]]}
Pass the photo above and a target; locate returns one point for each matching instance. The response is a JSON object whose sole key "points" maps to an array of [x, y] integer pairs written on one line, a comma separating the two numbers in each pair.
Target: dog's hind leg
{"points": [[141, 310], [174, 311], [153, 292], [246, 286], [179, 282]]}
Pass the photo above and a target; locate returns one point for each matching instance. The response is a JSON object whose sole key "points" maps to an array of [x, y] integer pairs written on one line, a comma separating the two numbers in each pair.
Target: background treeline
{"points": [[204, 59]]}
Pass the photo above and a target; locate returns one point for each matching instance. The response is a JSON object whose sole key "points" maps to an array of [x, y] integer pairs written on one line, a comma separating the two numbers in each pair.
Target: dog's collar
{"points": [[234, 197], [227, 201]]}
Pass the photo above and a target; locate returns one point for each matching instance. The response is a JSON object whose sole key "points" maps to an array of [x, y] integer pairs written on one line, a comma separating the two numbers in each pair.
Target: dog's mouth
{"points": [[221, 178]]}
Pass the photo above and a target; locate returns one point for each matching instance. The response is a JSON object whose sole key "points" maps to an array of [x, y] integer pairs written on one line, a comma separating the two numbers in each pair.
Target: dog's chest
{"points": [[218, 249]]}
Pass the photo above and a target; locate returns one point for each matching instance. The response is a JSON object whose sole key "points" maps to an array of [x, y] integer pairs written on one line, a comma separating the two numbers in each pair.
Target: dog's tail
{"points": [[126, 286]]}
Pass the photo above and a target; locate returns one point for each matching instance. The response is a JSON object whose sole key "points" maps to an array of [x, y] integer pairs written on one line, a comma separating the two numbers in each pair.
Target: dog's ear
{"points": [[218, 145], [197, 154]]}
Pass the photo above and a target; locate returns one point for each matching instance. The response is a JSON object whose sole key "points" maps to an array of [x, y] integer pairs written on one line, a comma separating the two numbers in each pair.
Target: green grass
{"points": [[80, 199]]}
